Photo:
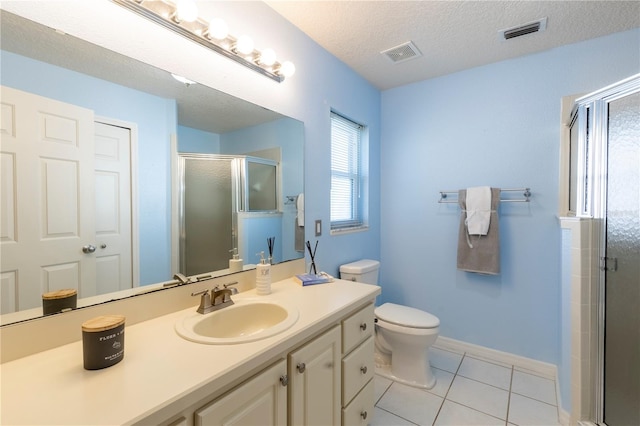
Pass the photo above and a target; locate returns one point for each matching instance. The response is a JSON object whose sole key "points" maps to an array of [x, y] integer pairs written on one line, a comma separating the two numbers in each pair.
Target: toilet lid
{"points": [[406, 316]]}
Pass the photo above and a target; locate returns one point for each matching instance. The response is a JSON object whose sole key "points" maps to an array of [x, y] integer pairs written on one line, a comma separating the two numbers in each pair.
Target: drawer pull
{"points": [[363, 326], [363, 369], [363, 414], [284, 380], [301, 367]]}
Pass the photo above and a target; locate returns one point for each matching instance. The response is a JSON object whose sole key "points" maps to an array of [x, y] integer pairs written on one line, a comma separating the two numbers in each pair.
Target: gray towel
{"points": [[484, 257], [299, 236]]}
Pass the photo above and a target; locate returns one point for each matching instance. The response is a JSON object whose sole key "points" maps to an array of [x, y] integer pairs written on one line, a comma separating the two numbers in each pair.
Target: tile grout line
{"points": [[506, 421], [383, 393], [398, 416], [444, 398], [483, 383]]}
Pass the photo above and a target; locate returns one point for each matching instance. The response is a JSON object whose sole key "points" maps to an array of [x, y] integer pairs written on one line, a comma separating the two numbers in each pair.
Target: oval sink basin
{"points": [[244, 321]]}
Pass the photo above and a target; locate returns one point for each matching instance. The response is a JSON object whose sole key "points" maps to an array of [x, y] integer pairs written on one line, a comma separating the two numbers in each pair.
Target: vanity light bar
{"points": [[165, 14]]}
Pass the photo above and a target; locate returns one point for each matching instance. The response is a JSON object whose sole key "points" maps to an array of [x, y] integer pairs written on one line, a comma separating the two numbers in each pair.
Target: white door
{"points": [[113, 208], [47, 199], [314, 381]]}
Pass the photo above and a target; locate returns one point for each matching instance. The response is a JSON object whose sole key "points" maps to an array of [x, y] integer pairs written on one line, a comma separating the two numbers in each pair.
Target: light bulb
{"points": [[267, 57], [244, 45], [186, 10], [218, 29], [287, 69]]}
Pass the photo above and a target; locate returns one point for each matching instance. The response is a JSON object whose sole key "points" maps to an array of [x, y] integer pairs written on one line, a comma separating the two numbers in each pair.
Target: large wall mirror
{"points": [[115, 207]]}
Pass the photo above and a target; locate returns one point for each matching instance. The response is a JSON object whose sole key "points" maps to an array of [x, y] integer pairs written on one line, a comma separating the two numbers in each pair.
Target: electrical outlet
{"points": [[318, 228]]}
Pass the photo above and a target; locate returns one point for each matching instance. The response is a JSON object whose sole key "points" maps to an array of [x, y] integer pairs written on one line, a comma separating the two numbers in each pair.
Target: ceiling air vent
{"points": [[402, 53], [531, 27]]}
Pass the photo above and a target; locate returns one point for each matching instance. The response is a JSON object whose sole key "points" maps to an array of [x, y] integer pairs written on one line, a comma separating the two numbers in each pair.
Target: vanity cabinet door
{"points": [[314, 389], [261, 400]]}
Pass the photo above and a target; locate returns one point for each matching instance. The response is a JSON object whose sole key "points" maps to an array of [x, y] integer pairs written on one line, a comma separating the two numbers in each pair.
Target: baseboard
{"points": [[540, 368]]}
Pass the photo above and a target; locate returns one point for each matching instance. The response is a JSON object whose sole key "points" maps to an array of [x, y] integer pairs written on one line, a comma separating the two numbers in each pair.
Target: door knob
{"points": [[301, 367], [88, 249]]}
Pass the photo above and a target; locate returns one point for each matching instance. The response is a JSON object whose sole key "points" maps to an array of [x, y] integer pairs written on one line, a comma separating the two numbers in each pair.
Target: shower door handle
{"points": [[609, 263]]}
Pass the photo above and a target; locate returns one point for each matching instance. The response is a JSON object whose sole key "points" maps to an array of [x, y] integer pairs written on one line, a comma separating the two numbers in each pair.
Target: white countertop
{"points": [[160, 367]]}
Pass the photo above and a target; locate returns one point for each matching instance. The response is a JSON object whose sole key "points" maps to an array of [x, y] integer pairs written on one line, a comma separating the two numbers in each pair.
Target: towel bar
{"points": [[526, 193]]}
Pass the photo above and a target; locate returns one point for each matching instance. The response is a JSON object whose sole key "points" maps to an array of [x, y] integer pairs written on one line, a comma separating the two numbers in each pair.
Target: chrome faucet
{"points": [[216, 299]]}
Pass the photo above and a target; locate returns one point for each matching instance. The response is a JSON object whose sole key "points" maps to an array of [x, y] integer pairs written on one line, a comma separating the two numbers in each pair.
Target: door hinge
{"points": [[609, 263]]}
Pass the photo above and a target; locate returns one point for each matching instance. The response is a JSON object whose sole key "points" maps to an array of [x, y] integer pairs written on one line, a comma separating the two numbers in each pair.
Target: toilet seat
{"points": [[405, 316]]}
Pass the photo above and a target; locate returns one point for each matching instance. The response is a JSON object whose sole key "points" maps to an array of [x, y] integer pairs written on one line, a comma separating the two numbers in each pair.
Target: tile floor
{"points": [[469, 391]]}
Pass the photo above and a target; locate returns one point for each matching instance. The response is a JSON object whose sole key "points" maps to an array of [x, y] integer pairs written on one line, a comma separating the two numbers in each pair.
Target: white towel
{"points": [[300, 207], [478, 210]]}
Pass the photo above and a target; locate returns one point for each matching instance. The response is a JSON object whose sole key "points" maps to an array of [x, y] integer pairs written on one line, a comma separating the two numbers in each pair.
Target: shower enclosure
{"points": [[221, 199], [605, 186]]}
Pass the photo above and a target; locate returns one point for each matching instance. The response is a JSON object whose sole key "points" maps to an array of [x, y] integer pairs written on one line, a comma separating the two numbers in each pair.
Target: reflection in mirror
{"points": [[114, 218], [214, 190]]}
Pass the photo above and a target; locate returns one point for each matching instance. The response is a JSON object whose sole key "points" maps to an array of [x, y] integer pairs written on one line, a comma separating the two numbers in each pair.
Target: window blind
{"points": [[346, 138]]}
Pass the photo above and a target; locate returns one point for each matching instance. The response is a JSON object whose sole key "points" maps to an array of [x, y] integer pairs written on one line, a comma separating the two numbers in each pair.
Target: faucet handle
{"points": [[233, 289], [205, 300]]}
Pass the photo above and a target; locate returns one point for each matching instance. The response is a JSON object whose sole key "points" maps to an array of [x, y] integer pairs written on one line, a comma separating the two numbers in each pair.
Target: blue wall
{"points": [[288, 135], [156, 120], [496, 125], [195, 140]]}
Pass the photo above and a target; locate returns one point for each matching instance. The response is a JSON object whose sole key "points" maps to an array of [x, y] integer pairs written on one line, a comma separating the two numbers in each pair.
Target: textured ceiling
{"points": [[199, 106], [451, 35]]}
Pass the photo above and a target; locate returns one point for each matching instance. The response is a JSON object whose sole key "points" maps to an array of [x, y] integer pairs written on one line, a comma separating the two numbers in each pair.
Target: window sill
{"points": [[343, 231]]}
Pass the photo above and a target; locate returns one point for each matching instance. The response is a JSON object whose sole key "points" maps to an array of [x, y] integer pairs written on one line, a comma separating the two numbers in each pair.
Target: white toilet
{"points": [[403, 334]]}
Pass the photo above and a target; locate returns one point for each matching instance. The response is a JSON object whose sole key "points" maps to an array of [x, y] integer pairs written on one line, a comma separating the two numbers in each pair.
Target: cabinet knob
{"points": [[363, 414], [363, 369], [284, 380], [363, 326], [301, 367]]}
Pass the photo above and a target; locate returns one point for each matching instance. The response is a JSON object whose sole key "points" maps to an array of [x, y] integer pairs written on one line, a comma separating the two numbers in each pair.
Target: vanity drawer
{"points": [[357, 328], [357, 369], [360, 410]]}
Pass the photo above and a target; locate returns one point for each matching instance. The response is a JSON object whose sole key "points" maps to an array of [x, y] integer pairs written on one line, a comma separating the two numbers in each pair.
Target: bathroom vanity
{"points": [[319, 370]]}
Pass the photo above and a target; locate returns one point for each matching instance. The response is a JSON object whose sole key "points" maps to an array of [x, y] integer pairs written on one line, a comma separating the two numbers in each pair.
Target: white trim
{"points": [[538, 367], [175, 214], [566, 105], [351, 230], [133, 159], [563, 415]]}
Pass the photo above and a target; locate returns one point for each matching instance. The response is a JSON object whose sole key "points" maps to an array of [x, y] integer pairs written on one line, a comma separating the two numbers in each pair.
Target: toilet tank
{"points": [[363, 271]]}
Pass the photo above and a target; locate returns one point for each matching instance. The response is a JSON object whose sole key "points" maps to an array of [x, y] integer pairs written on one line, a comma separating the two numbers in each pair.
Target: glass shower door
{"points": [[622, 276]]}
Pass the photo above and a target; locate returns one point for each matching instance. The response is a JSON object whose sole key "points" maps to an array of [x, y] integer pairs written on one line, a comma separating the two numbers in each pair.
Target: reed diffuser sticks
{"points": [[312, 254]]}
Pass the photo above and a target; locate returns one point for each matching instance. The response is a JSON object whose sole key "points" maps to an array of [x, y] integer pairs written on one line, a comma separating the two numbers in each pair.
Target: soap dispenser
{"points": [[235, 264], [263, 276]]}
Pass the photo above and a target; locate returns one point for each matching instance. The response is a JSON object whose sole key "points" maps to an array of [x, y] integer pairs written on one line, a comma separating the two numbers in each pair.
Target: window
{"points": [[347, 182]]}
